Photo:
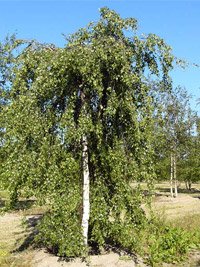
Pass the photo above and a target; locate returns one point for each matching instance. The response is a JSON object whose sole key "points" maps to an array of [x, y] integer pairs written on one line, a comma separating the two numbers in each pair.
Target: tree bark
{"points": [[86, 190], [186, 185], [189, 185], [175, 177], [171, 175]]}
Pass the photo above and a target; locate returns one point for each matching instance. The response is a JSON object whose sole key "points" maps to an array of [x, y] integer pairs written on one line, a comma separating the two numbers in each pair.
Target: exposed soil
{"points": [[42, 259]]}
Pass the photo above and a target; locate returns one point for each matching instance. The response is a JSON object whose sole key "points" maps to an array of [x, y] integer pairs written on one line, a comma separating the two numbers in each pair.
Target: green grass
{"points": [[4, 194], [188, 223], [125, 258]]}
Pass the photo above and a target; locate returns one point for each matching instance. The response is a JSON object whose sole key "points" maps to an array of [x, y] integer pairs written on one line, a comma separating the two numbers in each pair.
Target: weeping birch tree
{"points": [[79, 131]]}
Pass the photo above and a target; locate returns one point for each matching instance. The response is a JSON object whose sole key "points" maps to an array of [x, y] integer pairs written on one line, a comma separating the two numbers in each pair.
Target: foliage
{"points": [[97, 87], [169, 245], [58, 229], [8, 55], [175, 125], [189, 224], [164, 242], [190, 156]]}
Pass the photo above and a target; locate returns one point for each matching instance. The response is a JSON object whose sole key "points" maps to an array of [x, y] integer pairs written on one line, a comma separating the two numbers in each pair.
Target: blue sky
{"points": [[178, 22]]}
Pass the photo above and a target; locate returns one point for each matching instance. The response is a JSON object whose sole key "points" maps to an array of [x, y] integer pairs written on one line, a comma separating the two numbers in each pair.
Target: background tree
{"points": [[6, 62], [189, 166], [175, 130], [10, 49]]}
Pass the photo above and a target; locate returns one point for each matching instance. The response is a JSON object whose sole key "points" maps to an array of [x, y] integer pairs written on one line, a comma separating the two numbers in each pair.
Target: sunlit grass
{"points": [[12, 235], [14, 261], [4, 194], [188, 222]]}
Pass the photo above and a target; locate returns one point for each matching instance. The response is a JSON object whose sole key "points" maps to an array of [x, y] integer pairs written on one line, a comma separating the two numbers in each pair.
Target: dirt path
{"points": [[43, 259]]}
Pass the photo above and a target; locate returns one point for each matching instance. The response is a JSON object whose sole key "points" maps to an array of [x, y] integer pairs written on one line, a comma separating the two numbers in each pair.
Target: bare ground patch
{"points": [[43, 259]]}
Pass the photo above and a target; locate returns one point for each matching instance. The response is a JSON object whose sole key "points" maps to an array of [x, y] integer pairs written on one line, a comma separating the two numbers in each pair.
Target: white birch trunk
{"points": [[175, 178], [171, 176], [86, 191]]}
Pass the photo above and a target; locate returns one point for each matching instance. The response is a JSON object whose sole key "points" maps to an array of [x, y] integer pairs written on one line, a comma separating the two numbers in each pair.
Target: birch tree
{"points": [[189, 164], [173, 131], [79, 130]]}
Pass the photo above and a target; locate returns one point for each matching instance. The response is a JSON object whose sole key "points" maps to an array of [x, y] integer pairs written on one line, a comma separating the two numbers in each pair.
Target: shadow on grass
{"points": [[2, 203], [180, 190], [31, 223], [20, 205], [24, 204]]}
